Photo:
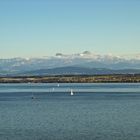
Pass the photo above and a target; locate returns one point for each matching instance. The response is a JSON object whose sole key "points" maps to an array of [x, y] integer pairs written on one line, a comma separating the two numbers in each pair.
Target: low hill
{"points": [[79, 71]]}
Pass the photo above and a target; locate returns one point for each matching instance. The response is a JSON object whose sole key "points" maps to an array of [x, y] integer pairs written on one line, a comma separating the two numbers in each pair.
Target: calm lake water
{"points": [[95, 112]]}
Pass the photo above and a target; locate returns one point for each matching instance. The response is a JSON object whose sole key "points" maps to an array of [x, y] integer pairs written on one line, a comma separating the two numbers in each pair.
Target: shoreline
{"points": [[129, 78]]}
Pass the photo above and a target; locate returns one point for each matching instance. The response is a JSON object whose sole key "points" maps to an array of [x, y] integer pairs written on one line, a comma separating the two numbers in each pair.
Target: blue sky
{"points": [[33, 28]]}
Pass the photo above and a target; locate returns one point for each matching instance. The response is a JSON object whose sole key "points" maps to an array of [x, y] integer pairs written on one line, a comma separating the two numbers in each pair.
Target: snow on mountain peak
{"points": [[84, 59]]}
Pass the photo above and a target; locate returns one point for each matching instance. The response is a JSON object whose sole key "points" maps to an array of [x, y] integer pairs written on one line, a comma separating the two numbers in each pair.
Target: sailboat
{"points": [[71, 93]]}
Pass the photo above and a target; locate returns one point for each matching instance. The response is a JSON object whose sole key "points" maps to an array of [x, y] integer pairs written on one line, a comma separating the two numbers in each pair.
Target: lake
{"points": [[48, 111]]}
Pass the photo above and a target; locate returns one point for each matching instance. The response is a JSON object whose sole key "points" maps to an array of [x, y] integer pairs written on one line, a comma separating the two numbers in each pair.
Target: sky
{"points": [[34, 28]]}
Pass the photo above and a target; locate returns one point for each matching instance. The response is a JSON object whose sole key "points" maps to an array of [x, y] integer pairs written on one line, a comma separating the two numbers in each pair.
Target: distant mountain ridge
{"points": [[82, 62], [79, 71]]}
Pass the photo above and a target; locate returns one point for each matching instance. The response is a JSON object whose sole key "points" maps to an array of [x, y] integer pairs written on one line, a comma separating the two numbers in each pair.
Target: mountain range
{"points": [[82, 63]]}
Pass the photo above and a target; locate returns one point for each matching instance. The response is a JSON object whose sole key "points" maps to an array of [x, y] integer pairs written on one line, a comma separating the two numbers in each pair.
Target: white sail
{"points": [[71, 93]]}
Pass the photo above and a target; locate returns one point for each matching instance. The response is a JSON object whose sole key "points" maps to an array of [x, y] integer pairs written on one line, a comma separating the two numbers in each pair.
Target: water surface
{"points": [[95, 112]]}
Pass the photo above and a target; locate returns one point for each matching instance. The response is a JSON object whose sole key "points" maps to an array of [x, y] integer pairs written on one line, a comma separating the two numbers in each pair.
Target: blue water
{"points": [[95, 112]]}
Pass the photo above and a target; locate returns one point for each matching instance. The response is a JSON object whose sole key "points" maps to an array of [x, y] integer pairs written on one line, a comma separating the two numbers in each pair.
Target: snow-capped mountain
{"points": [[85, 59]]}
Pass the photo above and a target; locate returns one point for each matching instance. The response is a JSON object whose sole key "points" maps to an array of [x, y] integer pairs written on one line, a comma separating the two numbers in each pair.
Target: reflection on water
{"points": [[95, 112]]}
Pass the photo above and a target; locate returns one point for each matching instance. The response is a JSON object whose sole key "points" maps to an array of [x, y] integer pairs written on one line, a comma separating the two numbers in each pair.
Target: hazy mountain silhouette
{"points": [[85, 62]]}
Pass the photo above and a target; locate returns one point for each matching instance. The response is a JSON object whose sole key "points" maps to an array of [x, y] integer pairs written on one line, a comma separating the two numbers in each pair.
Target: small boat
{"points": [[71, 93], [33, 97], [58, 85]]}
